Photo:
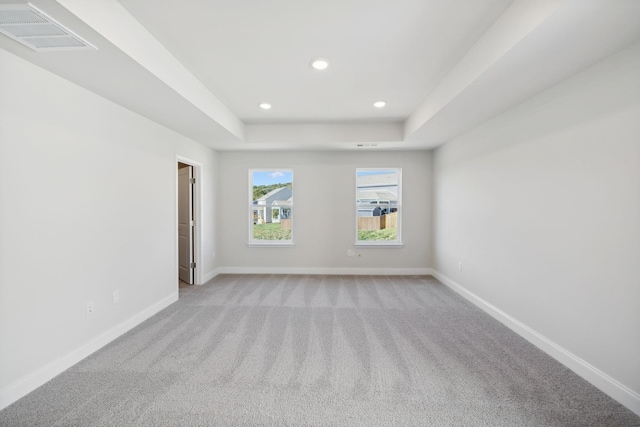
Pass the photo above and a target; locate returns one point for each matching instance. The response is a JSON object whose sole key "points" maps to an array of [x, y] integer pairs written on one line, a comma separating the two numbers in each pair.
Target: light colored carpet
{"points": [[318, 350]]}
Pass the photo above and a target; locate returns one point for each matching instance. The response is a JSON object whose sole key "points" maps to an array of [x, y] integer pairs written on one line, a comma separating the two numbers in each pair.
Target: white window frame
{"points": [[267, 243], [360, 206]]}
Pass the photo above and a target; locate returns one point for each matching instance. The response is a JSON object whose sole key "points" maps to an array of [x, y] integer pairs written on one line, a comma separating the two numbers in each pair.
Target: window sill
{"points": [[271, 244], [381, 245]]}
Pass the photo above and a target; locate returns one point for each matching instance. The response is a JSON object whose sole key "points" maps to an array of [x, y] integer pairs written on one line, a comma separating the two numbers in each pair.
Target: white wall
{"points": [[324, 212], [542, 206], [87, 207]]}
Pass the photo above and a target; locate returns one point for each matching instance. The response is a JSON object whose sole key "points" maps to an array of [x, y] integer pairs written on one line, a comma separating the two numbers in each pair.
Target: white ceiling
{"points": [[249, 51], [202, 67]]}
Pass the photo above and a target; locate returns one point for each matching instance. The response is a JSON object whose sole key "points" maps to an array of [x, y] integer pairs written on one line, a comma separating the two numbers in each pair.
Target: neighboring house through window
{"points": [[379, 206], [271, 206]]}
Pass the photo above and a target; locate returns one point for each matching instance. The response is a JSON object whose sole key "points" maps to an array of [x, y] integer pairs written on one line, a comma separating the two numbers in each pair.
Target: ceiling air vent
{"points": [[32, 27]]}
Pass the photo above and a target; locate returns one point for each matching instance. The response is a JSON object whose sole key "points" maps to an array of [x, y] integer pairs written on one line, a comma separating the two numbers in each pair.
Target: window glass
{"points": [[378, 206], [271, 206]]}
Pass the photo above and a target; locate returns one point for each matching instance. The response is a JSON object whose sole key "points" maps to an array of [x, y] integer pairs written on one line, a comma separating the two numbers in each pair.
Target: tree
{"points": [[261, 190]]}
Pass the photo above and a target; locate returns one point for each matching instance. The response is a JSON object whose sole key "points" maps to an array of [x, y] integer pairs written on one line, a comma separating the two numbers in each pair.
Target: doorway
{"points": [[186, 215]]}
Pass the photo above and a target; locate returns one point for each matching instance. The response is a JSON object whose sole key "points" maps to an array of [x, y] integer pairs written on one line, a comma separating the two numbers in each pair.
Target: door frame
{"points": [[197, 217]]}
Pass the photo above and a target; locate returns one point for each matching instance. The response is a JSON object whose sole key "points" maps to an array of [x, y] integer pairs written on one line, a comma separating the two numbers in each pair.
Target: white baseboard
{"points": [[601, 380], [327, 271], [27, 384], [208, 276]]}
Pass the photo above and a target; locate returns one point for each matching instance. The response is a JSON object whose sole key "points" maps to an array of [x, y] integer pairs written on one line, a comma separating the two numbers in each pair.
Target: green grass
{"points": [[386, 234], [274, 232], [270, 231]]}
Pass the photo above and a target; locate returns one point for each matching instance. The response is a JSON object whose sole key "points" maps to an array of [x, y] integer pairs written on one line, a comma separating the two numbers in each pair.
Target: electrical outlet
{"points": [[350, 252], [89, 308], [459, 265], [116, 297]]}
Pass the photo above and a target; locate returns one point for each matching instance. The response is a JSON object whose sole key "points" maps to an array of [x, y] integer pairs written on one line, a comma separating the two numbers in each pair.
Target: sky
{"points": [[272, 177], [363, 172], [283, 176]]}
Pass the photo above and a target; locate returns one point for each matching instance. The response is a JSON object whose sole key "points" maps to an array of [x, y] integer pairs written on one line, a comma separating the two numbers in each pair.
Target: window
{"points": [[378, 206], [270, 207]]}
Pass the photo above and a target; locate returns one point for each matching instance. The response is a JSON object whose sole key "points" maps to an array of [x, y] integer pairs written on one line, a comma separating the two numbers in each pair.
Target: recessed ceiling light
{"points": [[379, 104], [320, 63], [265, 105]]}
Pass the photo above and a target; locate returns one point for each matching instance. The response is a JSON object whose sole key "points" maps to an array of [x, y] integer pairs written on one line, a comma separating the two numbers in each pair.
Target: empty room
{"points": [[358, 213]]}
